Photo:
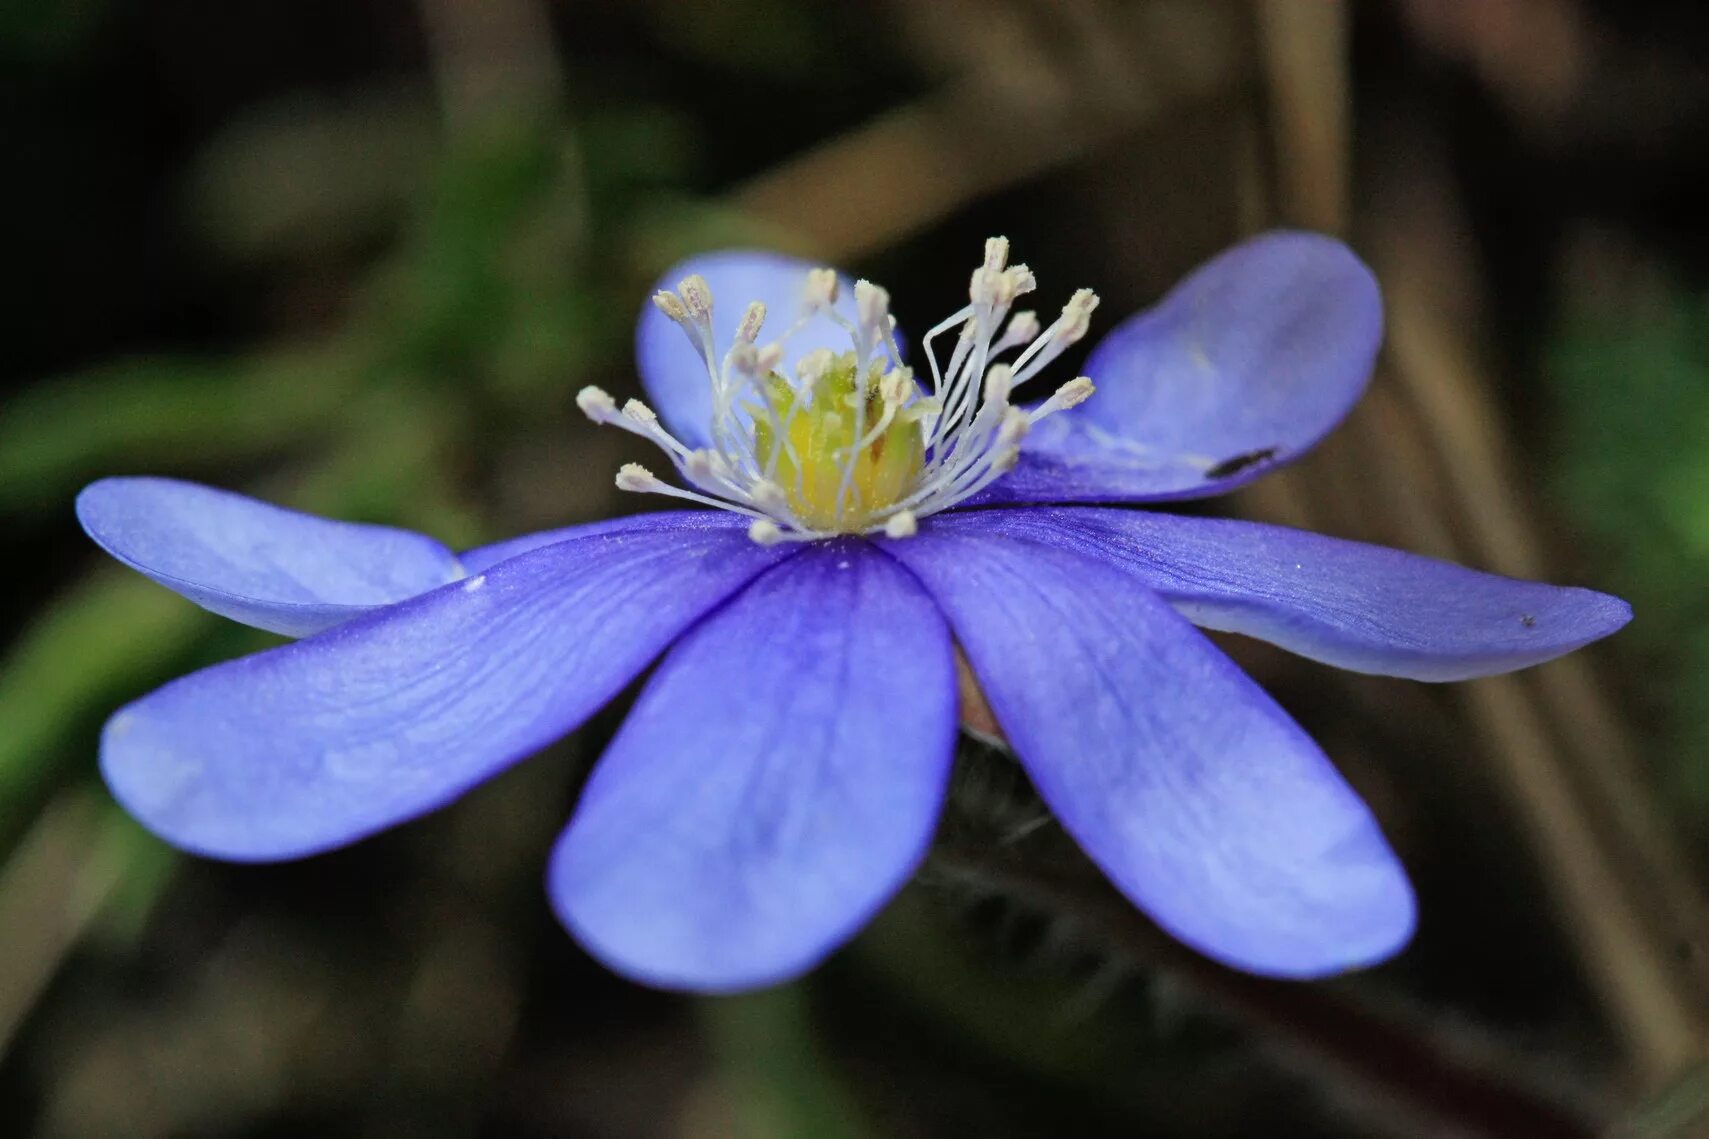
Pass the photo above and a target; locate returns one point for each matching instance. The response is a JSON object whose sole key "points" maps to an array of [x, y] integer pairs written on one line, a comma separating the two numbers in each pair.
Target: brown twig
{"points": [[51, 889], [1017, 111], [1552, 737]]}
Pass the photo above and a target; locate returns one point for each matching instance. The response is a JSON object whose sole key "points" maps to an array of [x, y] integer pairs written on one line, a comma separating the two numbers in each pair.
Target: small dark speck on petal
{"points": [[1528, 621], [1238, 463]]}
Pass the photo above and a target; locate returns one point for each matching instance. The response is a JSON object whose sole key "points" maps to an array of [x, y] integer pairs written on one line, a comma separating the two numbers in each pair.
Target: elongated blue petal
{"points": [[393, 714], [1244, 366], [260, 564], [673, 372], [1203, 802], [1356, 606], [776, 782]]}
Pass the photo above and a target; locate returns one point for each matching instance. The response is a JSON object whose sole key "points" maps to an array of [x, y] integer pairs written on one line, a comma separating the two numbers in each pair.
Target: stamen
{"points": [[902, 524], [1023, 327], [822, 288], [765, 532], [748, 330], [769, 497], [634, 477], [1072, 394], [811, 368], [872, 304], [671, 305], [597, 404], [1078, 314], [638, 479], [877, 326], [893, 385], [1016, 424], [1068, 328], [697, 298]]}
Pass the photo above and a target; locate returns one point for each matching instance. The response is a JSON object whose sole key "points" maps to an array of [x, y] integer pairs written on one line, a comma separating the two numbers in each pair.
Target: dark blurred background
{"points": [[358, 257]]}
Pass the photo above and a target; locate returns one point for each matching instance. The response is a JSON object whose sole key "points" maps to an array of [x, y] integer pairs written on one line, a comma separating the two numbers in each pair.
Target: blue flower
{"points": [[782, 770]]}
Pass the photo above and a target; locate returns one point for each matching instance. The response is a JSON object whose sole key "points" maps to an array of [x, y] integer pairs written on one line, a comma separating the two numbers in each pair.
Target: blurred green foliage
{"points": [[1629, 460]]}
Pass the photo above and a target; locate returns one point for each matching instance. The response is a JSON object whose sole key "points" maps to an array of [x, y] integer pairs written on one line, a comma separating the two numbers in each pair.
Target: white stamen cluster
{"points": [[970, 432]]}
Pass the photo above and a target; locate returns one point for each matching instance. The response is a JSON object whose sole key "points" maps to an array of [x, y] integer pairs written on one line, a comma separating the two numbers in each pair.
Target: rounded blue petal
{"points": [[1244, 366], [257, 563], [777, 781], [673, 373], [1198, 796], [321, 742], [1356, 606]]}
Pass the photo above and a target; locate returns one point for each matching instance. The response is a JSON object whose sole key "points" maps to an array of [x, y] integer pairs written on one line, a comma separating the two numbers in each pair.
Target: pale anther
{"points": [[871, 302], [1077, 315], [821, 287], [749, 330], [744, 358], [811, 367], [902, 524], [701, 466], [1075, 392], [596, 403], [696, 297], [893, 387], [768, 496], [633, 476], [671, 305], [765, 532], [1016, 423], [1021, 280], [1022, 329]]}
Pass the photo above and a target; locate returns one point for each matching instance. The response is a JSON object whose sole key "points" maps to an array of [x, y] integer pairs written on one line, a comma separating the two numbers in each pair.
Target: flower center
{"points": [[835, 475], [853, 443]]}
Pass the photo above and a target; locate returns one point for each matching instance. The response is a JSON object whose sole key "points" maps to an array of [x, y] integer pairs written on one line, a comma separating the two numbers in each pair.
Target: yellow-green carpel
{"points": [[851, 444], [845, 455]]}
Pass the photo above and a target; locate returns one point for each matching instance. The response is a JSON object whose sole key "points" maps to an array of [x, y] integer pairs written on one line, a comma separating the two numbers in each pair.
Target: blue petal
{"points": [[482, 558], [777, 781], [321, 742], [1244, 366], [257, 563], [1198, 796], [673, 373], [1358, 607]]}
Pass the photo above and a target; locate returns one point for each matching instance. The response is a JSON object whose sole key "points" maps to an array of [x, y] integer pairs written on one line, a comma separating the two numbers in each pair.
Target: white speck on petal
{"points": [[474, 583]]}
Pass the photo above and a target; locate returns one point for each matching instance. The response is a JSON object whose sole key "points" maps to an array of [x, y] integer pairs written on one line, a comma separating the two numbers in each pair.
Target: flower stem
{"points": [[1463, 1088]]}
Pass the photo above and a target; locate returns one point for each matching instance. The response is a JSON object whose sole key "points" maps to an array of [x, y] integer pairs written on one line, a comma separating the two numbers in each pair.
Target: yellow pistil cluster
{"points": [[844, 457]]}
